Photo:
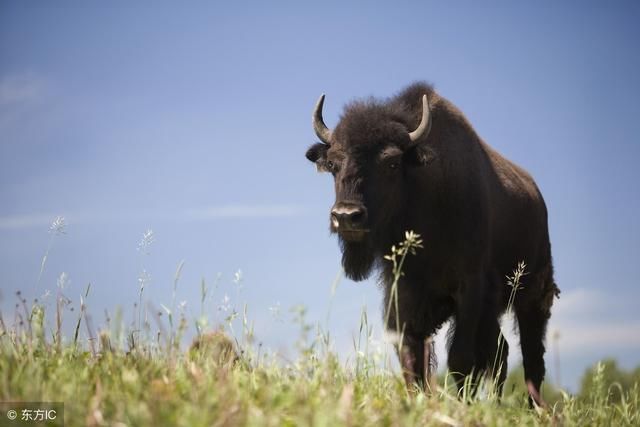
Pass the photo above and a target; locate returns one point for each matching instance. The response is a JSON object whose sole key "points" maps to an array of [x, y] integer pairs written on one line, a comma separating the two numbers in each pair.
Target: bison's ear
{"points": [[317, 154], [420, 155]]}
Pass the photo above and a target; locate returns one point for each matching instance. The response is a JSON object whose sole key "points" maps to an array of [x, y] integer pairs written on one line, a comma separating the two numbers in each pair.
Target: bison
{"points": [[414, 162]]}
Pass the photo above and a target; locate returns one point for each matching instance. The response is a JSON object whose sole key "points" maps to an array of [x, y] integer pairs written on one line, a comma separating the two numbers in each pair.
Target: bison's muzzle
{"points": [[349, 220]]}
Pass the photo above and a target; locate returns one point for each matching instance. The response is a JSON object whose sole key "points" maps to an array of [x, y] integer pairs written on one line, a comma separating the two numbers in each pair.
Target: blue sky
{"points": [[194, 122]]}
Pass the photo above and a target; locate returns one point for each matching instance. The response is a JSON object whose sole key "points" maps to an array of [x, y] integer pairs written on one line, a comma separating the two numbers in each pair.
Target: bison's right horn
{"points": [[323, 132], [425, 123]]}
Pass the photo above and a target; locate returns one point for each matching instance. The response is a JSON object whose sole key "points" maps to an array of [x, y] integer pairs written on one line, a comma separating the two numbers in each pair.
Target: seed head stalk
{"points": [[144, 278], [514, 282], [408, 246], [57, 228]]}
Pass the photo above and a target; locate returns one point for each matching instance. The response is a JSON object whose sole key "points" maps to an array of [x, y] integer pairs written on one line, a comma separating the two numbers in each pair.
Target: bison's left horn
{"points": [[323, 132], [425, 123]]}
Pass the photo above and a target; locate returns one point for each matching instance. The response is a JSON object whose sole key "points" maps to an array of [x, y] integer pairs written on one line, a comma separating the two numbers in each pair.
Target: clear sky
{"points": [[193, 122]]}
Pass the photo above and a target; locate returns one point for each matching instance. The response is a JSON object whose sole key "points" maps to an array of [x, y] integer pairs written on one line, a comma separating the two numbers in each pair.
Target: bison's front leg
{"points": [[411, 351], [414, 350], [463, 345], [430, 364]]}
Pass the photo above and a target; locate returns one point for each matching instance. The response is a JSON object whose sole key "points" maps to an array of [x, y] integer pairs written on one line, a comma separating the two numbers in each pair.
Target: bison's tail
{"points": [[550, 289]]}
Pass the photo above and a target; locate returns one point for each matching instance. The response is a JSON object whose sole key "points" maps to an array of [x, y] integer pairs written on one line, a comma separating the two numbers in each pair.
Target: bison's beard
{"points": [[358, 258]]}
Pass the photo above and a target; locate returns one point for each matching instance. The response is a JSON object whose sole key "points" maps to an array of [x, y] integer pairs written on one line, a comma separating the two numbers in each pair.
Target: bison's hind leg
{"points": [[492, 351], [533, 313], [498, 367], [532, 323]]}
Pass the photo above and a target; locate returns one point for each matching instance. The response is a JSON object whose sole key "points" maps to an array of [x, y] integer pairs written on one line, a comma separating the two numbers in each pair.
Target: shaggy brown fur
{"points": [[478, 213]]}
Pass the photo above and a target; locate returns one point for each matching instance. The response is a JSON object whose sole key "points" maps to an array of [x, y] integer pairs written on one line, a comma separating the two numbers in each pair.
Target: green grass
{"points": [[211, 384], [141, 375]]}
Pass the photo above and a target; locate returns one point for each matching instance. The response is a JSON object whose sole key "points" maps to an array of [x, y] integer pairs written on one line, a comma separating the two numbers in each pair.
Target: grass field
{"points": [[209, 385], [141, 374]]}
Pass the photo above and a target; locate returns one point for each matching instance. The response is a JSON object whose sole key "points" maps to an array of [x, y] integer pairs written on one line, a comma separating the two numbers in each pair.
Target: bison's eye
{"points": [[331, 166], [390, 160]]}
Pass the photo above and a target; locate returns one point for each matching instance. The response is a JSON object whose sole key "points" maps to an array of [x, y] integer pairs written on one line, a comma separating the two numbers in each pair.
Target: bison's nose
{"points": [[348, 217]]}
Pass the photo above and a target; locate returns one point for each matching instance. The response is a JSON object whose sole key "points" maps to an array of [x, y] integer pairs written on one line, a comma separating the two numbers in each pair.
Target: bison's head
{"points": [[371, 154]]}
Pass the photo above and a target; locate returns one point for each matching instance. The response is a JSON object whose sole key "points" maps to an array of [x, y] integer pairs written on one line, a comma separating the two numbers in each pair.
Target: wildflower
{"points": [[226, 304], [58, 226], [514, 281], [147, 239], [63, 280], [237, 279]]}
